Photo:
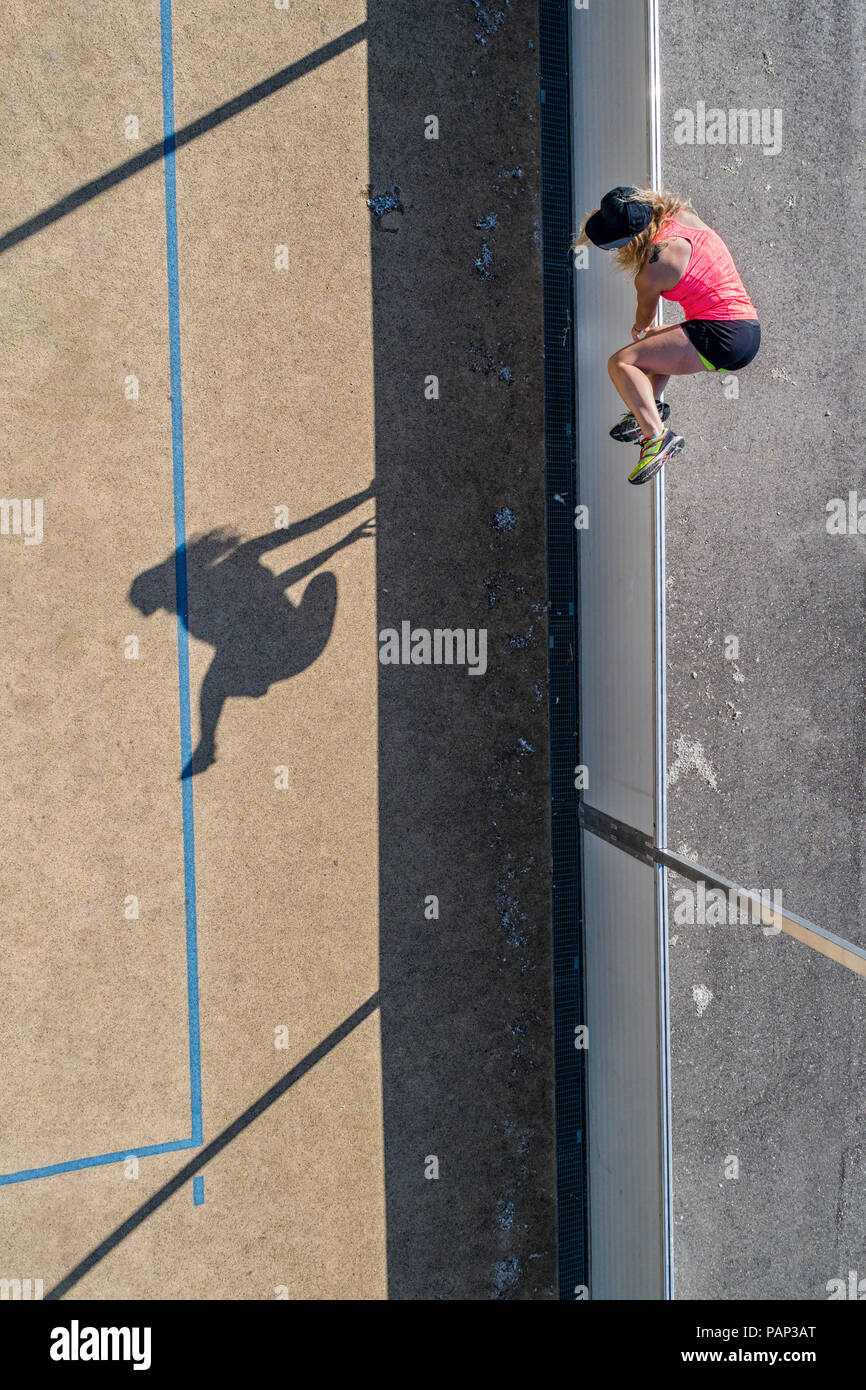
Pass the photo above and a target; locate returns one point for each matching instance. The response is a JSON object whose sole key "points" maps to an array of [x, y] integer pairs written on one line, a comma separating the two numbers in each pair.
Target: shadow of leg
{"points": [[214, 691]]}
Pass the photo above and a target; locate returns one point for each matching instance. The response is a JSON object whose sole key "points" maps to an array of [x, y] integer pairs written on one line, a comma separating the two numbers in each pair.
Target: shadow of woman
{"points": [[240, 607]]}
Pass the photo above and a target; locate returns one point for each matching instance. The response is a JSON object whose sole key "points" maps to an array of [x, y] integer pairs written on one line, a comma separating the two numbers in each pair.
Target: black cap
{"points": [[619, 219]]}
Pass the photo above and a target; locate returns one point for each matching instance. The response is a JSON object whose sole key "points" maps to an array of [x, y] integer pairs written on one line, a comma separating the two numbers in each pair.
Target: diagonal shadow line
{"points": [[216, 1146], [181, 137]]}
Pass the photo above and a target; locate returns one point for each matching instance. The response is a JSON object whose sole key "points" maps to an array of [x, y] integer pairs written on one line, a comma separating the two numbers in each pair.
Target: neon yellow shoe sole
{"points": [[654, 455]]}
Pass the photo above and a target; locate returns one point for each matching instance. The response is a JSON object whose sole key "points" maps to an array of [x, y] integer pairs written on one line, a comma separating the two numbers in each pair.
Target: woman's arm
{"points": [[662, 271], [647, 303]]}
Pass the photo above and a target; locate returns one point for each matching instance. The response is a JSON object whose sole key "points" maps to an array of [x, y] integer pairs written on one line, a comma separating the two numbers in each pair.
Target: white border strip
{"points": [[620, 669], [654, 104]]}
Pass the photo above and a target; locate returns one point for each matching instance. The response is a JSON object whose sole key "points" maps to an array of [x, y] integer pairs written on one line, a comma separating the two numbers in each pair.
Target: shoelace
{"points": [[650, 447]]}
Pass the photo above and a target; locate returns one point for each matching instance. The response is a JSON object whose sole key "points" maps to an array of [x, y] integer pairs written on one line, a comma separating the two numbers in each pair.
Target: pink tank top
{"points": [[710, 287]]}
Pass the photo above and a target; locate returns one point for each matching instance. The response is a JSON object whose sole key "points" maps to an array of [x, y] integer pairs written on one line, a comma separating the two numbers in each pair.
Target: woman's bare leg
{"points": [[637, 369], [636, 388]]}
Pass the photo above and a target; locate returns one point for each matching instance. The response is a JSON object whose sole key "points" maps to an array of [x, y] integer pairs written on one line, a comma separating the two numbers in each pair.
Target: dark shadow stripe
{"points": [[213, 1148], [242, 102]]}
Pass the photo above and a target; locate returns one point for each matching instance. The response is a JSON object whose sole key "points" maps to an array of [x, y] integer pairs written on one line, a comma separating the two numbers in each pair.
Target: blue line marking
{"points": [[180, 570], [97, 1160], [72, 1165], [198, 1191]]}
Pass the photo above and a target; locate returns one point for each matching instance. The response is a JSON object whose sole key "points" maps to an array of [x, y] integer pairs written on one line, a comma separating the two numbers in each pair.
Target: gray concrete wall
{"points": [[766, 752]]}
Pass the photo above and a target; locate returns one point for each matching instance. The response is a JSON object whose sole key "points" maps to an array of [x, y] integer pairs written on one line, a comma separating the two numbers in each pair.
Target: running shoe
{"points": [[627, 430], [654, 454]]}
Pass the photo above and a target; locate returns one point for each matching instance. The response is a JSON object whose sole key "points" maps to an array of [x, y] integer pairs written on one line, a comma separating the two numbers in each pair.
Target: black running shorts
{"points": [[724, 345]]}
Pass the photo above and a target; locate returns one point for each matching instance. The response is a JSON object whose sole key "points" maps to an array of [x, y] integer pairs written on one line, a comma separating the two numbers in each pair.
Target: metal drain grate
{"points": [[560, 433]]}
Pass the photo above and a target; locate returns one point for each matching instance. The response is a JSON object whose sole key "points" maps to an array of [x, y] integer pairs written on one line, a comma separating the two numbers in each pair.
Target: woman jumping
{"points": [[673, 254]]}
